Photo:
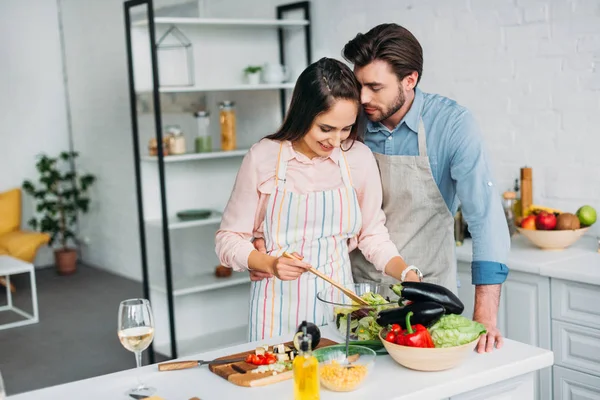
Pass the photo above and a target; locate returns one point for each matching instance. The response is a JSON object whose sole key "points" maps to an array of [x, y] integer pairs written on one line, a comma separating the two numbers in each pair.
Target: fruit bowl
{"points": [[338, 375], [363, 330], [427, 359], [553, 240]]}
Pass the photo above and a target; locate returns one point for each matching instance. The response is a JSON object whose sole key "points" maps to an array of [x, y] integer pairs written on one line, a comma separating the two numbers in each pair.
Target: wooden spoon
{"points": [[347, 292]]}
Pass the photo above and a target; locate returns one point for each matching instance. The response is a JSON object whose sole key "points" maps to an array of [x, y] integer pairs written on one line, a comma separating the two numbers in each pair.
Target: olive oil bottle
{"points": [[305, 367]]}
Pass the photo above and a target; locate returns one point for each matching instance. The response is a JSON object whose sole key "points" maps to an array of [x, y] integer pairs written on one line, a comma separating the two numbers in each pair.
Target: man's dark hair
{"points": [[388, 42]]}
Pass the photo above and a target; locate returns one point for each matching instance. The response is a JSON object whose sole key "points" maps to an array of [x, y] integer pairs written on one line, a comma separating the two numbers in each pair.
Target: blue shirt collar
{"points": [[411, 119]]}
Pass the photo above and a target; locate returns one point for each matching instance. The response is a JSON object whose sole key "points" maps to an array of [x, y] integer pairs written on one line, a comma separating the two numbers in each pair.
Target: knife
{"points": [[176, 365]]}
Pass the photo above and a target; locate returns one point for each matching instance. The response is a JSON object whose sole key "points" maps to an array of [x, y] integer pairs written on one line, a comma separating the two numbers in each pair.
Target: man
{"points": [[431, 158]]}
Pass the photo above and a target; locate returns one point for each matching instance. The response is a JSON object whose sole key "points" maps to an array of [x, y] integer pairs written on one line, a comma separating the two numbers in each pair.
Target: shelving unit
{"points": [[268, 23], [187, 307], [233, 88], [197, 156], [175, 223], [203, 283]]}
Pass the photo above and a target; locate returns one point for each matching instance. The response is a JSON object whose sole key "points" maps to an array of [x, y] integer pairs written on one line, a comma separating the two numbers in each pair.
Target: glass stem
{"points": [[138, 362]]}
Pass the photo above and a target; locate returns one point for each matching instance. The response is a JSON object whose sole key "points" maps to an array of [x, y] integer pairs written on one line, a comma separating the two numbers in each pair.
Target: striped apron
{"points": [[318, 226]]}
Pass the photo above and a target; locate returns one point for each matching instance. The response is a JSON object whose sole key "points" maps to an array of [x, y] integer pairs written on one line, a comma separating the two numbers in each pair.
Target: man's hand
{"points": [[259, 244], [487, 300]]}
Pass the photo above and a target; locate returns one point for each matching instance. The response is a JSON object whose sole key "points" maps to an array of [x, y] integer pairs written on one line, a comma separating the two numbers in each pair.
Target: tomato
{"points": [[391, 337], [396, 328], [270, 359]]}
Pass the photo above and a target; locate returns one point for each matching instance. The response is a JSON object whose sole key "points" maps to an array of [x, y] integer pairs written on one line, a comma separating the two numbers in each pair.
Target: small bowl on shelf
{"points": [[194, 214], [340, 374], [428, 359], [553, 240], [364, 330]]}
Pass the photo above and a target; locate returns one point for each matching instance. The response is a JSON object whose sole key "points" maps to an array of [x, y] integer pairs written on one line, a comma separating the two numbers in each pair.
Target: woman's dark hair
{"points": [[388, 42], [317, 88]]}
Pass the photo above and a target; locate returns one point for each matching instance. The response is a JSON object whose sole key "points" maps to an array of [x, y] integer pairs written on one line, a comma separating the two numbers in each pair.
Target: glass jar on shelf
{"points": [[228, 125], [203, 143], [176, 140]]}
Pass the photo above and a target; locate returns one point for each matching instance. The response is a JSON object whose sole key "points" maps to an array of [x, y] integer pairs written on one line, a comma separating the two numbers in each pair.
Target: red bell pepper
{"points": [[414, 335]]}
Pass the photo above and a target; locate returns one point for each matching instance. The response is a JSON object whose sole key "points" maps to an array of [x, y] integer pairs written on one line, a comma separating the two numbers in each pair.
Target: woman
{"points": [[311, 189]]}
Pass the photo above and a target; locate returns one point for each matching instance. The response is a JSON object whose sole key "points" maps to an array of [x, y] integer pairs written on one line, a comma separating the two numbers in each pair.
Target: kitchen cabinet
{"points": [[573, 385], [551, 300], [523, 314]]}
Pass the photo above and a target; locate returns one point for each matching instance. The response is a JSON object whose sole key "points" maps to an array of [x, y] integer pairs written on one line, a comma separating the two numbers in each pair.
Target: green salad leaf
{"points": [[455, 330], [363, 325], [374, 299]]}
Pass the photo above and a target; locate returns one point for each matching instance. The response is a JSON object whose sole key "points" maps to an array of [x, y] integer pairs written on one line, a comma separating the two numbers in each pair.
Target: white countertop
{"points": [[580, 262], [389, 380]]}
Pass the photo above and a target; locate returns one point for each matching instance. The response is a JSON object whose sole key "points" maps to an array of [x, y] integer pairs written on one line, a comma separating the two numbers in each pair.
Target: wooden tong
{"points": [[347, 292]]}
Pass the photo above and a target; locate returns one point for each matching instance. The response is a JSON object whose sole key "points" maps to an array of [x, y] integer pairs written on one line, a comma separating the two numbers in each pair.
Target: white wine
{"points": [[136, 339]]}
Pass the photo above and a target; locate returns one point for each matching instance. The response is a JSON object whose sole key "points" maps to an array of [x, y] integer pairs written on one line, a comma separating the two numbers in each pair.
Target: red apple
{"points": [[528, 223], [545, 221]]}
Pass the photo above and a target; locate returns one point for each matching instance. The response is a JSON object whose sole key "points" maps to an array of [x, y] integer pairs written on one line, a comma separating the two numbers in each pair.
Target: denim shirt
{"points": [[461, 170]]}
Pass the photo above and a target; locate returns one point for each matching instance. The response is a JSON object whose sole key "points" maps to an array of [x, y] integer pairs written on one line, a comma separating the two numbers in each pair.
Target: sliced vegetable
{"points": [[455, 330], [266, 359], [426, 314], [425, 291], [414, 335]]}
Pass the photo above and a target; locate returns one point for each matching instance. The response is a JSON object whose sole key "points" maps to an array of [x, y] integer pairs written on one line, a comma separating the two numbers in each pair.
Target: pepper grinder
{"points": [[526, 189]]}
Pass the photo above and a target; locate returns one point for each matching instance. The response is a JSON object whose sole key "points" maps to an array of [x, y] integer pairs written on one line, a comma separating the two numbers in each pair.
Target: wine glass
{"points": [[136, 332]]}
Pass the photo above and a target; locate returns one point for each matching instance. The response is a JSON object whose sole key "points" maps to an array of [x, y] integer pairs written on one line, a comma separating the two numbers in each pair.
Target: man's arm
{"points": [[482, 209]]}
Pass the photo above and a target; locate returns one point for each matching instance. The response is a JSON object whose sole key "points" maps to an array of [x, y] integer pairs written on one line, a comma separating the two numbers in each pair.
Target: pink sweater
{"points": [[244, 214]]}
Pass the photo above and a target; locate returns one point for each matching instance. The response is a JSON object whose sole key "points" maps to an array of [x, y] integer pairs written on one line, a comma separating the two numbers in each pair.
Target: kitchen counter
{"points": [[482, 376], [579, 263]]}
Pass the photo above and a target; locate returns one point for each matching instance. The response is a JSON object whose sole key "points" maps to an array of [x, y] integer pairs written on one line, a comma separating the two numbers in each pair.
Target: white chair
{"points": [[11, 266]]}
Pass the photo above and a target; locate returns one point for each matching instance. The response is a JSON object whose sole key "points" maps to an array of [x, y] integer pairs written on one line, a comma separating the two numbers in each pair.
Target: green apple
{"points": [[586, 215]]}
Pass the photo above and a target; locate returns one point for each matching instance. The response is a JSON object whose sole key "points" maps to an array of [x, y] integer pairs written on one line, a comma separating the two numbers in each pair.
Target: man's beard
{"points": [[393, 109]]}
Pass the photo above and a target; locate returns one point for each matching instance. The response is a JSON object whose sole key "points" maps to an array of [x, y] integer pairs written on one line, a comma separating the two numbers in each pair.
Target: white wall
{"points": [[32, 103], [528, 69], [98, 90]]}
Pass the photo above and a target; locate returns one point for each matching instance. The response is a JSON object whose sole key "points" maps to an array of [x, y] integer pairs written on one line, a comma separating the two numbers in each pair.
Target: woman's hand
{"points": [[287, 269]]}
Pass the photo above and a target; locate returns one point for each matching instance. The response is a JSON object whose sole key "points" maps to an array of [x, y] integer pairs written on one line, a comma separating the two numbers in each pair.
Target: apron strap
{"points": [[281, 169], [344, 169], [421, 140]]}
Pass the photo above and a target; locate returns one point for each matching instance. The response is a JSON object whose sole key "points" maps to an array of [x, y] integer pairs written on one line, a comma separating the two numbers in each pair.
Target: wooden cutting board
{"points": [[233, 372]]}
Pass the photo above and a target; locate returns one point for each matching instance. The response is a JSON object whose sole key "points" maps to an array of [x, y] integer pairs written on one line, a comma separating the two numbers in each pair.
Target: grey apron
{"points": [[417, 218]]}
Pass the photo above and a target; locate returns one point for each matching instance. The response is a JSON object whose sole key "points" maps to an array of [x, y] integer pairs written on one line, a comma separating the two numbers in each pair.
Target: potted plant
{"points": [[60, 196], [253, 74]]}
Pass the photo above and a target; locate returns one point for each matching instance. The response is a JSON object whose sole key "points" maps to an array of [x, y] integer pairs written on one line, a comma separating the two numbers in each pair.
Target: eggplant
{"points": [[425, 313], [425, 291]]}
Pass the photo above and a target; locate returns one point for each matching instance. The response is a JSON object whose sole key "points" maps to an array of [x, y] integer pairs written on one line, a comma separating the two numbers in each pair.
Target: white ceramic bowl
{"points": [[553, 240], [427, 359]]}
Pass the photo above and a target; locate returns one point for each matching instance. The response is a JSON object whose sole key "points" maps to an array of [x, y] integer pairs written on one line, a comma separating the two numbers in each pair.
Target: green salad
{"points": [[363, 325], [455, 330]]}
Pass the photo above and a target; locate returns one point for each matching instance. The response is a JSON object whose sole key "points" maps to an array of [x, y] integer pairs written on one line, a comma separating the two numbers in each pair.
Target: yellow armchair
{"points": [[15, 242]]}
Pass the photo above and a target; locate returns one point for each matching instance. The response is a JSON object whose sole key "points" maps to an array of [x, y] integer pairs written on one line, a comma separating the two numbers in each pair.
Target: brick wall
{"points": [[529, 70]]}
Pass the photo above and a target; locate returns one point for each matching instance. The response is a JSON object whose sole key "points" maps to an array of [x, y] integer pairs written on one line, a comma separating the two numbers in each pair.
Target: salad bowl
{"points": [[364, 330]]}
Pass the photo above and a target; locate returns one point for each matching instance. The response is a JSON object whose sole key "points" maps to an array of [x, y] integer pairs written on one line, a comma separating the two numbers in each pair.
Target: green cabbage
{"points": [[455, 330]]}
